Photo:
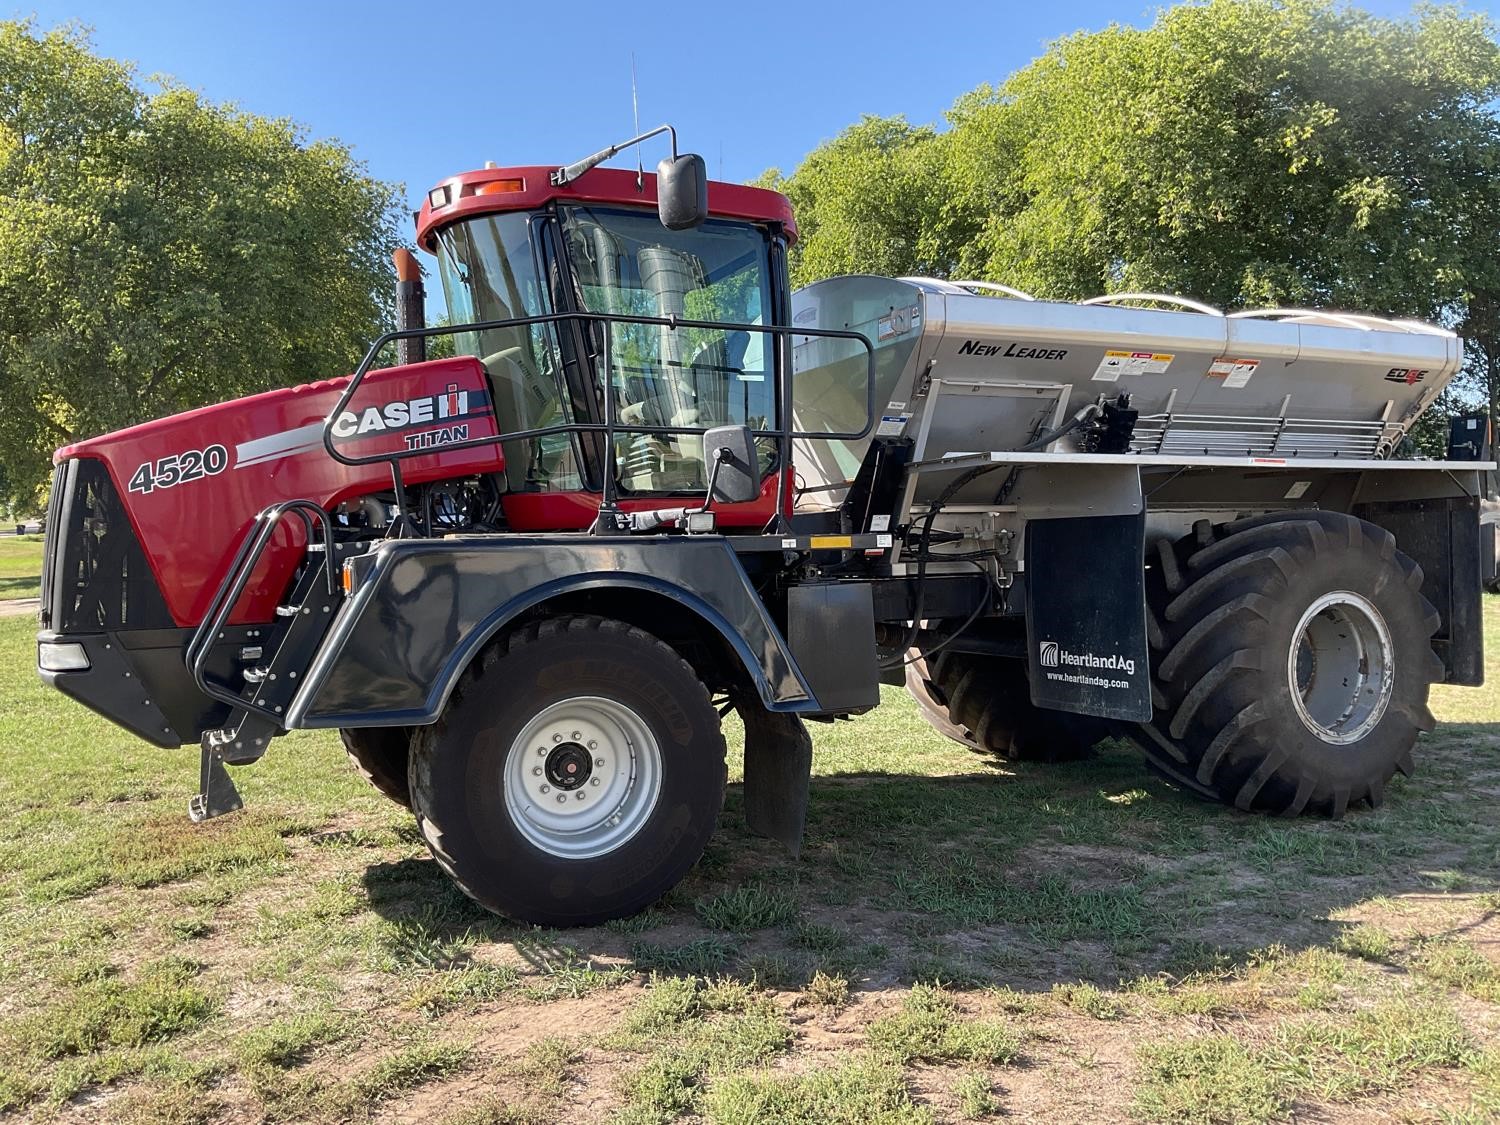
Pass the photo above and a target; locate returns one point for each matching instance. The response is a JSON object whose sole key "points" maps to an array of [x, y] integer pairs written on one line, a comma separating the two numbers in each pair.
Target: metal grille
{"points": [[1190, 435], [105, 582]]}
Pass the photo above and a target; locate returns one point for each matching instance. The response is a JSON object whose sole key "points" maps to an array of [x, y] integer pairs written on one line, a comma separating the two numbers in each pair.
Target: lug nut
{"points": [[593, 745], [541, 751], [581, 794], [599, 762], [546, 788], [557, 738], [577, 734], [536, 771], [561, 797], [593, 781]]}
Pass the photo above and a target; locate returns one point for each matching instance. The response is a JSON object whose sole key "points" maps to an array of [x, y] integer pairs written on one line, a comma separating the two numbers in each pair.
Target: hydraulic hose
{"points": [[1084, 416], [1087, 414]]}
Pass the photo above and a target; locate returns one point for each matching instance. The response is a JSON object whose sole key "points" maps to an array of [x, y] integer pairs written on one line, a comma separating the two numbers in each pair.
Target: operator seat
{"points": [[526, 399]]}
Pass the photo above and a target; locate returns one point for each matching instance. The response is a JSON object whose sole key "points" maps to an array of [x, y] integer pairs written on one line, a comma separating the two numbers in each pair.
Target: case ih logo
{"points": [[1408, 375], [405, 414]]}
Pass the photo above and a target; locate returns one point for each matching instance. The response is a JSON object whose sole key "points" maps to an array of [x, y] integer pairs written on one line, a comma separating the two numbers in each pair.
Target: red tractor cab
{"points": [[512, 244]]}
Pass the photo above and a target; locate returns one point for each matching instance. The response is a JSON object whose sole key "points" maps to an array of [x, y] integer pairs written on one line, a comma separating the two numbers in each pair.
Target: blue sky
{"points": [[424, 90]]}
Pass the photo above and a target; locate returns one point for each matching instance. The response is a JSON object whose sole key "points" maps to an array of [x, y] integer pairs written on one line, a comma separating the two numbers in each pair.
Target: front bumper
{"points": [[111, 684]]}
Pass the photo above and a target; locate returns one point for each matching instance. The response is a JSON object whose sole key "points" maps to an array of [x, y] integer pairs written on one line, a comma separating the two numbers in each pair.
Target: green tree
{"points": [[159, 252], [1244, 152], [864, 202]]}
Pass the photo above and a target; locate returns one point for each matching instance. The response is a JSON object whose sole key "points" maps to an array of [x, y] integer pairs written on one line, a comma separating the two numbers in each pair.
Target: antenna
{"points": [[635, 106]]}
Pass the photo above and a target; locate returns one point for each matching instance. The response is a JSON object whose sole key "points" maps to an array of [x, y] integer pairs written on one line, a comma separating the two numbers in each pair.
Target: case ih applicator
{"points": [[653, 484]]}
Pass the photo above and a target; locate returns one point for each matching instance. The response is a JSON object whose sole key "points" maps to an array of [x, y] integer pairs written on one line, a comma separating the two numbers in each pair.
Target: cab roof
{"points": [[494, 190]]}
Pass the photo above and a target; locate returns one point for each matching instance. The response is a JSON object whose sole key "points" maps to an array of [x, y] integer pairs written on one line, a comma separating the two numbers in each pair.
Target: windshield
{"points": [[626, 262], [489, 272]]}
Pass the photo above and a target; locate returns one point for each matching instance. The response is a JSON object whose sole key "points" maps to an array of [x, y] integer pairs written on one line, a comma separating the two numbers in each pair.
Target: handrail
{"points": [[1160, 298], [1008, 290], [236, 578], [1328, 318], [947, 285], [1366, 322], [784, 433]]}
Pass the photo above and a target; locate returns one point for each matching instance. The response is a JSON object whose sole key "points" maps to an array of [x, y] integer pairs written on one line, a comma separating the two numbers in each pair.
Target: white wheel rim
{"points": [[582, 777], [1341, 667]]}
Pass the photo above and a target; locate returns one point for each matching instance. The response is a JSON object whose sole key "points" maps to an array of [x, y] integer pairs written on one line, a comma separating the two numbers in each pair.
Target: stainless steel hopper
{"points": [[971, 368]]}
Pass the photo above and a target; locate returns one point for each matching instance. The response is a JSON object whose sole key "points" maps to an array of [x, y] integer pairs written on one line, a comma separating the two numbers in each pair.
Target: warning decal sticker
{"points": [[1234, 372], [1114, 364]]}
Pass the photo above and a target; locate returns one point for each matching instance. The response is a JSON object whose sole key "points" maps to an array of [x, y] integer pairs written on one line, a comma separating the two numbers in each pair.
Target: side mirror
{"points": [[735, 473], [682, 191]]}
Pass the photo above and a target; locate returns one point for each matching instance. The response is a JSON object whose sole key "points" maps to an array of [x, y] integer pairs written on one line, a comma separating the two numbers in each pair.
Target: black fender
{"points": [[423, 608]]}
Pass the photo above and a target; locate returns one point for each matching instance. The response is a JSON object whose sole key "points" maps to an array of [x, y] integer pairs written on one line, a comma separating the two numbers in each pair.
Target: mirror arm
{"points": [[571, 172], [720, 455]]}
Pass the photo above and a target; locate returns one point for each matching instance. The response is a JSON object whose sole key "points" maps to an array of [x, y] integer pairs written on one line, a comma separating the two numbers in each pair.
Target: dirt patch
{"points": [[20, 607]]}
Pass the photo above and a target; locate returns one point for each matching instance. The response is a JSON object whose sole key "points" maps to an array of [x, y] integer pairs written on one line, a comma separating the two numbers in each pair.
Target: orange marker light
{"points": [[499, 187]]}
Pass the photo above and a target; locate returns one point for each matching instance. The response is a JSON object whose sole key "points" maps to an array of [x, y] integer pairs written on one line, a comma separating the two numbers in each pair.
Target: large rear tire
{"points": [[576, 774], [984, 702], [1291, 661], [380, 756]]}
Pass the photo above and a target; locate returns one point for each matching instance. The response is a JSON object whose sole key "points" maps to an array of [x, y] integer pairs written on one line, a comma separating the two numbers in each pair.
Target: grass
{"points": [[976, 1096], [1227, 1078], [1207, 1078], [827, 991], [857, 1091], [930, 1028], [684, 1030], [750, 907], [20, 566], [959, 941]]}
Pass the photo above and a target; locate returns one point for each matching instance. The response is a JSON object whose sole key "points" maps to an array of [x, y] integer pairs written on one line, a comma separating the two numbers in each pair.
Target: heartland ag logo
{"points": [[1050, 654], [452, 404]]}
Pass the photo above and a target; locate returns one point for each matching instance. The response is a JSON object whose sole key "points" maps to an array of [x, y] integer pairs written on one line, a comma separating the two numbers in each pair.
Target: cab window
{"points": [[626, 262], [488, 270]]}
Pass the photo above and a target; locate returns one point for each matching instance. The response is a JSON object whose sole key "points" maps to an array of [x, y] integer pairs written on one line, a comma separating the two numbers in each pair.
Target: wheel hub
{"points": [[582, 777], [1341, 667], [568, 766]]}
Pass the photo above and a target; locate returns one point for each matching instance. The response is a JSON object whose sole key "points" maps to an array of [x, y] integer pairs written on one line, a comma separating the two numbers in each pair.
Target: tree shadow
{"points": [[1020, 875], [19, 587]]}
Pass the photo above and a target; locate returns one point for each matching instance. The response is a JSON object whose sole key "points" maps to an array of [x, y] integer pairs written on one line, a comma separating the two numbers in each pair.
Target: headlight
{"points": [[61, 656]]}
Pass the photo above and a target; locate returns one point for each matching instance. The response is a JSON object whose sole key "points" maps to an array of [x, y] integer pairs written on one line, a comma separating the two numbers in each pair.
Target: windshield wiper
{"points": [[450, 244]]}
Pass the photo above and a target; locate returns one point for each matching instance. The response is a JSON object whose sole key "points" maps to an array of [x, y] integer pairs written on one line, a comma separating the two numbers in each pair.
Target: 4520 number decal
{"points": [[180, 468]]}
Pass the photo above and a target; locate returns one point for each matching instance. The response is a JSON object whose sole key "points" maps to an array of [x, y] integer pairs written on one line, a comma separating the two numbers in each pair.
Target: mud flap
{"points": [[778, 767], [216, 792], [1086, 616], [1442, 535]]}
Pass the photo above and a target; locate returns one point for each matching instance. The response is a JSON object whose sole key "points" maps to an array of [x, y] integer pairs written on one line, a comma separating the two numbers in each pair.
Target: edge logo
{"points": [[1408, 375]]}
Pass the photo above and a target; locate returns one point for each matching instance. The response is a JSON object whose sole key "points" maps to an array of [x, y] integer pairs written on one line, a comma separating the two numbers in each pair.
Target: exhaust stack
{"points": [[411, 306]]}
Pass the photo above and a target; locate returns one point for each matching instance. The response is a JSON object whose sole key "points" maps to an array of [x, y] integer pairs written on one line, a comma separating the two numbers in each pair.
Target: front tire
{"points": [[576, 774], [1291, 661], [380, 755]]}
